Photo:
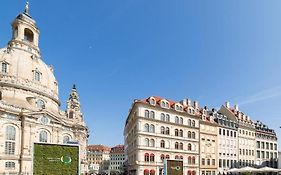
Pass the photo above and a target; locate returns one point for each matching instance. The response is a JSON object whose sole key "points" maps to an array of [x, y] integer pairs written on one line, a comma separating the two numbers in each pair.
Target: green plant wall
{"points": [[50, 159]]}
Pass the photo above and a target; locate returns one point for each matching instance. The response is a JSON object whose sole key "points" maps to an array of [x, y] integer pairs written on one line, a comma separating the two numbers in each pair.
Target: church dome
{"points": [[22, 68]]}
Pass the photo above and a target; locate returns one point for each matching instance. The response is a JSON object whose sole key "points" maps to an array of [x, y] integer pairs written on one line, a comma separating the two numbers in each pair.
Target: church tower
{"points": [[73, 106], [25, 32]]}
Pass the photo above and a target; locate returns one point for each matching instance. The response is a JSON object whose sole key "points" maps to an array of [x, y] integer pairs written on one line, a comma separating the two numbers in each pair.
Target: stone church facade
{"points": [[29, 102]]}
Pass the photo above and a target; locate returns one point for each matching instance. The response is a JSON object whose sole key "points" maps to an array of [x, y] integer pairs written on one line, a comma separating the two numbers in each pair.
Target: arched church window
{"points": [[43, 136], [66, 139], [10, 140], [40, 104], [28, 35]]}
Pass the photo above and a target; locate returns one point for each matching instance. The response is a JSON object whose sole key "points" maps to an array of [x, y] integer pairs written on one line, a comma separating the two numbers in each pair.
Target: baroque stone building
{"points": [[29, 102]]}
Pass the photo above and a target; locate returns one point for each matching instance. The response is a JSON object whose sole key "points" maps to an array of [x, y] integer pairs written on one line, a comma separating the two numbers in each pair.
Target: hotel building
{"points": [[158, 129]]}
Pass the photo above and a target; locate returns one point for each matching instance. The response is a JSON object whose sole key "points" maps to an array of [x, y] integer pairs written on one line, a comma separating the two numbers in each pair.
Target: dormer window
{"points": [[152, 101], [164, 104], [28, 35]]}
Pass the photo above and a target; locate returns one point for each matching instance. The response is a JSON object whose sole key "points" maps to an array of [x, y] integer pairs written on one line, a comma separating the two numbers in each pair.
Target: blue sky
{"points": [[118, 51]]}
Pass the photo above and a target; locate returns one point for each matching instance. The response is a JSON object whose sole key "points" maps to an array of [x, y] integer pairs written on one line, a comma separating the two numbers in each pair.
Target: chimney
{"points": [[195, 104], [236, 107], [188, 102], [227, 104], [184, 102]]}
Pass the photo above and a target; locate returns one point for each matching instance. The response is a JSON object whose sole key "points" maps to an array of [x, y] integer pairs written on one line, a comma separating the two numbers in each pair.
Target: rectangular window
{"points": [[10, 165], [4, 67], [208, 162], [9, 147], [267, 145], [258, 144], [258, 154], [220, 163], [214, 162]]}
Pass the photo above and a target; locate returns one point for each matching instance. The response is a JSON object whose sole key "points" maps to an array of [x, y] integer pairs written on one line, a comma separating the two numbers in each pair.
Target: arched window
{"points": [[177, 119], [167, 131], [176, 145], [146, 157], [181, 120], [146, 142], [10, 165], [28, 35], [181, 157], [193, 123], [146, 127], [189, 147], [152, 128], [181, 133], [189, 160], [146, 114], [167, 117], [189, 134], [162, 104], [162, 117], [40, 104], [193, 172], [152, 101], [162, 144], [151, 114], [176, 132], [162, 157], [181, 146], [152, 172], [193, 135], [66, 139], [152, 157], [70, 115], [146, 172], [189, 172], [162, 130], [151, 143], [43, 136], [10, 140], [189, 122], [193, 160], [167, 157], [176, 157]]}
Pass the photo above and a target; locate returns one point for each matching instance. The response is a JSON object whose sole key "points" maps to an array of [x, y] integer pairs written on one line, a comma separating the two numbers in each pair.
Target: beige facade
{"points": [[29, 102], [208, 144], [158, 129], [266, 146], [117, 159], [98, 157]]}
